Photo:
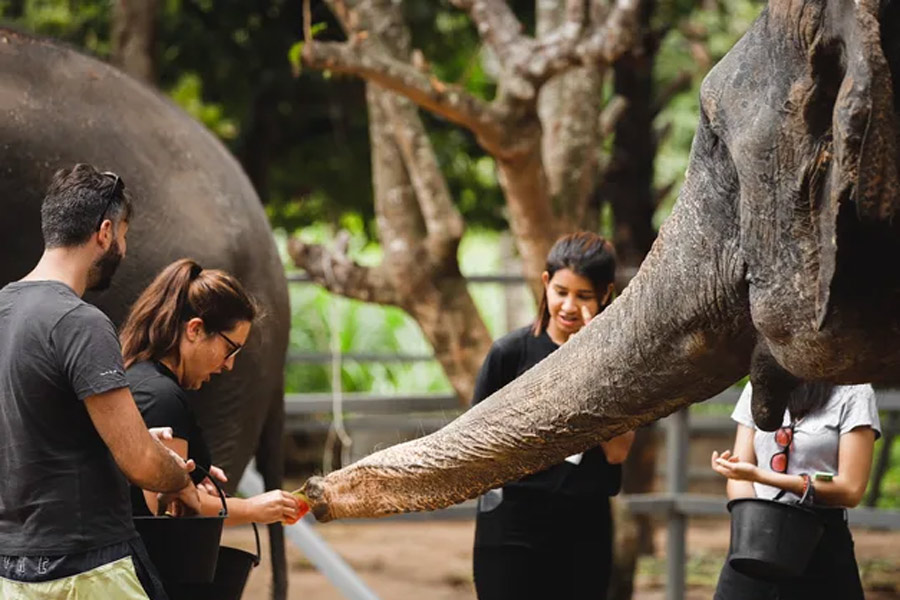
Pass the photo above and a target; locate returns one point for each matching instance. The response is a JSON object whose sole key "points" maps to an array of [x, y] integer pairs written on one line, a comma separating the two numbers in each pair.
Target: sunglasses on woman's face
{"points": [[235, 347], [784, 437]]}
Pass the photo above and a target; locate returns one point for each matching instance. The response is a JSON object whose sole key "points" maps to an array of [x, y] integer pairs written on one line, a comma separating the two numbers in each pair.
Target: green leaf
{"points": [[295, 56]]}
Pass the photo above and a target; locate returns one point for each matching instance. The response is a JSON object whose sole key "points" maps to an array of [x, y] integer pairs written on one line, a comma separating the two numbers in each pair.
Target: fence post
{"points": [[676, 474]]}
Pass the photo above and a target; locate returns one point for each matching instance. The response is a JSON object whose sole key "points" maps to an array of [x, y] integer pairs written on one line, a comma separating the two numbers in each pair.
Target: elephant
{"points": [[776, 260], [59, 107]]}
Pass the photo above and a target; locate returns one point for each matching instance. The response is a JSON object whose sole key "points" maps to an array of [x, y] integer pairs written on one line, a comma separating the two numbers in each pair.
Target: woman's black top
{"points": [[567, 487], [164, 403]]}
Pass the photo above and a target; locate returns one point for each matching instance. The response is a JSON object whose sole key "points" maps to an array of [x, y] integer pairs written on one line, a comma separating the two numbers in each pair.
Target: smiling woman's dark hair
{"points": [[586, 254], [182, 291]]}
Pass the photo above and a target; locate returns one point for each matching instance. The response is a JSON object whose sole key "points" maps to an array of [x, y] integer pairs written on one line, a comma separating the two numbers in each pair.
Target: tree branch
{"points": [[367, 61], [499, 29], [340, 275], [611, 38], [572, 43], [443, 223]]}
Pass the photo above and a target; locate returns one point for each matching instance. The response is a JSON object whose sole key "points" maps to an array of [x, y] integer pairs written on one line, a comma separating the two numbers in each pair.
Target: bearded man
{"points": [[70, 433]]}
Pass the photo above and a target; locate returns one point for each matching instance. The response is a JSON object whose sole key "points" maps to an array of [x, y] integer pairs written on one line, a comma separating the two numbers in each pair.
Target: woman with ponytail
{"points": [[188, 325], [549, 535]]}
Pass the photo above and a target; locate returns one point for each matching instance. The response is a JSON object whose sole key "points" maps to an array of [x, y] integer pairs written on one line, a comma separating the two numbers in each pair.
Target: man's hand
{"points": [[184, 503]]}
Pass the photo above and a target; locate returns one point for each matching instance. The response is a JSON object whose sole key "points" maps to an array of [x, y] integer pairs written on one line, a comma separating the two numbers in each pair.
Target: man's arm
{"points": [[144, 461]]}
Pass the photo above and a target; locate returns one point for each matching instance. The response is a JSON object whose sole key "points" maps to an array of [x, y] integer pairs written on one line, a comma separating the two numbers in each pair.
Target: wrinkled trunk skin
{"points": [[59, 107], [679, 333]]}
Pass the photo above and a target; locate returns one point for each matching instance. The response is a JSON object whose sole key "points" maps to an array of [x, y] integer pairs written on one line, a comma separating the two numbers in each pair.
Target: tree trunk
{"points": [[531, 217], [418, 226], [569, 108], [628, 182], [134, 38]]}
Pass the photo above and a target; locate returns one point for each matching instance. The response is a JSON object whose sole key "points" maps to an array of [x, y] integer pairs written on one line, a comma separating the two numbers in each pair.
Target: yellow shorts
{"points": [[117, 579]]}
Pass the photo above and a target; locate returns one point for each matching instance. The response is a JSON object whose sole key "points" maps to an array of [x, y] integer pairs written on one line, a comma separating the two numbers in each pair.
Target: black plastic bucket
{"points": [[232, 570], [184, 549], [772, 540]]}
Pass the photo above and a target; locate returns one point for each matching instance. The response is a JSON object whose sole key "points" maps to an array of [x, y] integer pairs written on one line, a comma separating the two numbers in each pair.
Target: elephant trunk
{"points": [[680, 333]]}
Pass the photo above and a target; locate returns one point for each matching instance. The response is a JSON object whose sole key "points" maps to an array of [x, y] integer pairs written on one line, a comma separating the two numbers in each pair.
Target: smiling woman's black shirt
{"points": [[512, 355], [164, 403], [589, 483]]}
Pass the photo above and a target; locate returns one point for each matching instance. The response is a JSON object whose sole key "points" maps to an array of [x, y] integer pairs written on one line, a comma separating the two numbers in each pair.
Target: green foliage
{"points": [[84, 24], [188, 93], [890, 485]]}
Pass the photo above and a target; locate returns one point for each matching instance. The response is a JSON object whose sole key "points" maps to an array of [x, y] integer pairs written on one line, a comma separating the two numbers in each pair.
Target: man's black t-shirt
{"points": [[509, 357], [164, 403], [61, 491]]}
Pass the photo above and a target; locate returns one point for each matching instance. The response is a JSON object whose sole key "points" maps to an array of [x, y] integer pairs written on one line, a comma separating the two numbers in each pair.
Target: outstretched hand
{"points": [[731, 466]]}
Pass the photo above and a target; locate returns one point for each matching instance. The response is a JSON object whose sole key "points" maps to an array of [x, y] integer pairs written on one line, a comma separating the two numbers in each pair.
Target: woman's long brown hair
{"points": [[182, 291], [586, 254]]}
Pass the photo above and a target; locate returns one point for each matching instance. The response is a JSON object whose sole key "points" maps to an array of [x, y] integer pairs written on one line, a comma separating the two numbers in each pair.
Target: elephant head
{"points": [[775, 260]]}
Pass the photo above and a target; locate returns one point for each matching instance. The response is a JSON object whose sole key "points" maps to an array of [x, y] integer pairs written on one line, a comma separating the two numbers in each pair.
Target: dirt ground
{"points": [[414, 560]]}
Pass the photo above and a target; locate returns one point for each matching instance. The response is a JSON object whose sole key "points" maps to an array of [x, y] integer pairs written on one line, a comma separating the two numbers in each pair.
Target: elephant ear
{"points": [[865, 124], [856, 165]]}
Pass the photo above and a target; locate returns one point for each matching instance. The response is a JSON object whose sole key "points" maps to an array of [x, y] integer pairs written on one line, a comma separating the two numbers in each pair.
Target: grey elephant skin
{"points": [[59, 107], [781, 258]]}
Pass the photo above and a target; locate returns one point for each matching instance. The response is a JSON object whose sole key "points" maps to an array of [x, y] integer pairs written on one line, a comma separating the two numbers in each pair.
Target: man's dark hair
{"points": [[77, 202]]}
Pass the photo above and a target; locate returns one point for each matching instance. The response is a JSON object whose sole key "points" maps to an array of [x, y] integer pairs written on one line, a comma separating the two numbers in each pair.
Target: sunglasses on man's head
{"points": [[784, 437], [235, 347], [117, 187]]}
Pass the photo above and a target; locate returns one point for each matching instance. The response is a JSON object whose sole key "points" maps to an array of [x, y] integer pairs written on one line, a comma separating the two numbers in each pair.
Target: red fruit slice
{"points": [[302, 507]]}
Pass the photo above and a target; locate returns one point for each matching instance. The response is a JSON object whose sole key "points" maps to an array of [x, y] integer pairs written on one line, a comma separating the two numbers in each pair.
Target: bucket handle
{"points": [[258, 550], [224, 511]]}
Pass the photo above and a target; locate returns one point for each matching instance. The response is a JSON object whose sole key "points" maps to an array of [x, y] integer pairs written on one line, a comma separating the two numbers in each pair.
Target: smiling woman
{"points": [[550, 533]]}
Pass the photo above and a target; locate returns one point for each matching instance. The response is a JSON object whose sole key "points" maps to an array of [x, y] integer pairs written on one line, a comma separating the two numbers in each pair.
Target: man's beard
{"points": [[808, 397], [102, 271]]}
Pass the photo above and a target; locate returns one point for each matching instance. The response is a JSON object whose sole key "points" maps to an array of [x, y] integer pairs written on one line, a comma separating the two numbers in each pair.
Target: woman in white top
{"points": [[824, 447]]}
